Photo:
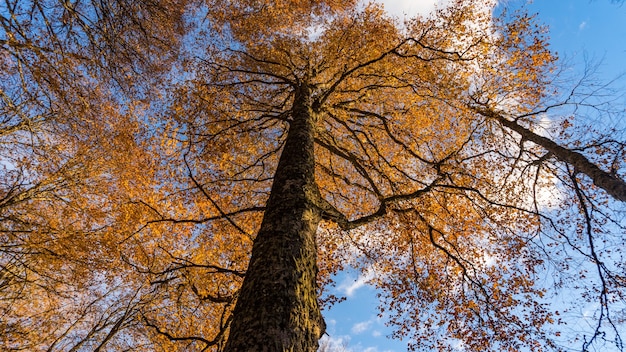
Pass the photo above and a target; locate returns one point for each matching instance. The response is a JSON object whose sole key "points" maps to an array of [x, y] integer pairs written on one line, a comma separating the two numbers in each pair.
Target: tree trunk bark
{"points": [[277, 307]]}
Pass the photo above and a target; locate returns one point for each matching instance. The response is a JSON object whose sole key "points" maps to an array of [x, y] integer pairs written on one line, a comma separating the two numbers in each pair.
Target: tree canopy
{"points": [[189, 175]]}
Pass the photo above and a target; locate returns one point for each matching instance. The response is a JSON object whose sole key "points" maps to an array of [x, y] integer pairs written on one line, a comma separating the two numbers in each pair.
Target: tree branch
{"points": [[609, 182]]}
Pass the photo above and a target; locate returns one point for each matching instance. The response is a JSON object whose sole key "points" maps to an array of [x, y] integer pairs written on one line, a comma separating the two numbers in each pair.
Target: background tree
{"points": [[222, 189], [68, 151]]}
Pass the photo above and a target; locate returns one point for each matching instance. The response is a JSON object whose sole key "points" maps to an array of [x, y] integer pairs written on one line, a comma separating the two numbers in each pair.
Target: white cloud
{"points": [[582, 25], [336, 343], [349, 286], [361, 327], [341, 343], [410, 8]]}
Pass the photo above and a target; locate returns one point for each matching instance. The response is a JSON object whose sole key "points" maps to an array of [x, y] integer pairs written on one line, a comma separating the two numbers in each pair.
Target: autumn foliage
{"points": [[167, 163]]}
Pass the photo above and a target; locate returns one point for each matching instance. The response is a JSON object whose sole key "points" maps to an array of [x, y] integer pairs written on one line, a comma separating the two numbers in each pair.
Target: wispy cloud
{"points": [[582, 25], [361, 327], [349, 285], [410, 8], [335, 343]]}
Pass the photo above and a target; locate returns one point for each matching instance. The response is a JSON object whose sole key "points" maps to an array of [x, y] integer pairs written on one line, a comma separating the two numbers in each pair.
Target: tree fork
{"points": [[277, 308]]}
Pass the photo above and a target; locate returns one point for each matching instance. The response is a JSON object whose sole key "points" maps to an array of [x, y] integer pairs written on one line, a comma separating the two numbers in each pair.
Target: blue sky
{"points": [[581, 31]]}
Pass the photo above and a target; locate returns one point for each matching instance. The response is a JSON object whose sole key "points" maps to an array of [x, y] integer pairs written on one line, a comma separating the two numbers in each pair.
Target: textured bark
{"points": [[612, 184], [277, 309]]}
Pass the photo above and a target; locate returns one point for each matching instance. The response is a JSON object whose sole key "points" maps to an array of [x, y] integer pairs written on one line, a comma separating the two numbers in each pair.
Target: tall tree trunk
{"points": [[277, 308]]}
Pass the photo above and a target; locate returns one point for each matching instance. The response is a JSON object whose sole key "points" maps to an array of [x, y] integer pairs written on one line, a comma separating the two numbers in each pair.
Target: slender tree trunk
{"points": [[277, 308]]}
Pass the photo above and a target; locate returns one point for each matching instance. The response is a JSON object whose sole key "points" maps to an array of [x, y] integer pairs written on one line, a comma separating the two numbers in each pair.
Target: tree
{"points": [[62, 182], [278, 152]]}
